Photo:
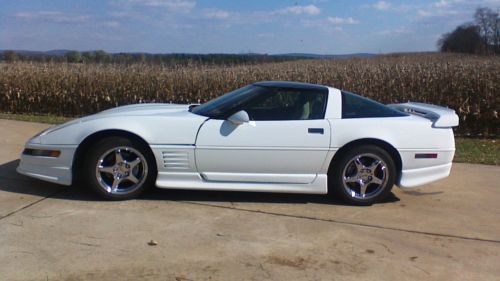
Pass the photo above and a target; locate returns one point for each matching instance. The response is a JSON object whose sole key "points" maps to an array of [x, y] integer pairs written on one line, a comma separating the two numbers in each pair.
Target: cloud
{"points": [[398, 31], [266, 35], [322, 24], [51, 16], [299, 10], [111, 24], [330, 24], [382, 6], [446, 3], [427, 13], [182, 6], [56, 17], [387, 6], [339, 21], [450, 8], [437, 8], [216, 14]]}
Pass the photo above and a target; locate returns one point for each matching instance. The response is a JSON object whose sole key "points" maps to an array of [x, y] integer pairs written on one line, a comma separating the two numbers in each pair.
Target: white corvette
{"points": [[268, 137]]}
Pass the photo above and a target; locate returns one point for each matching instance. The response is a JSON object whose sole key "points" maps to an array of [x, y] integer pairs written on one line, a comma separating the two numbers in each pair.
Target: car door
{"points": [[286, 141]]}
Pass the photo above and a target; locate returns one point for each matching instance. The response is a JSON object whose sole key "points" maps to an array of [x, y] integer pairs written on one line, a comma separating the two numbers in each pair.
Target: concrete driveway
{"points": [[449, 230]]}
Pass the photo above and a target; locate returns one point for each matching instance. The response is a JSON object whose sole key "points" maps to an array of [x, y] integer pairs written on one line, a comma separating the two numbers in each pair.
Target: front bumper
{"points": [[51, 169]]}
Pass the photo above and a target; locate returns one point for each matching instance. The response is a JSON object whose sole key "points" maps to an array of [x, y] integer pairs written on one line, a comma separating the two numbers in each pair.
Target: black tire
{"points": [[144, 171], [340, 186]]}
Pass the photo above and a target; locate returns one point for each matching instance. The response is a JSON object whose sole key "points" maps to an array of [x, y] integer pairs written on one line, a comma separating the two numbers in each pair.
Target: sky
{"points": [[225, 26]]}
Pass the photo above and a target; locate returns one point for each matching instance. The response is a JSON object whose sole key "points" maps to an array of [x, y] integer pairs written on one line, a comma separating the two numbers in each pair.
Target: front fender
{"points": [[153, 129]]}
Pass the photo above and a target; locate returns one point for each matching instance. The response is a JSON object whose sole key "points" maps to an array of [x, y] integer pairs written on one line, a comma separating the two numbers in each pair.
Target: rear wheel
{"points": [[119, 168], [363, 175]]}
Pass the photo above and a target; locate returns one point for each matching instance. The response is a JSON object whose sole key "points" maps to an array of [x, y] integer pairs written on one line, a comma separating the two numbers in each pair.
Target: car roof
{"points": [[291, 85]]}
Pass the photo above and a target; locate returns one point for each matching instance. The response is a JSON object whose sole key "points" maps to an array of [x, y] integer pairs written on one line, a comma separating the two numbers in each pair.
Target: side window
{"points": [[287, 104], [354, 106]]}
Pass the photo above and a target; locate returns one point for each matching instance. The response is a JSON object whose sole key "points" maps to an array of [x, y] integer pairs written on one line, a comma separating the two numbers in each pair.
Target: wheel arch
{"points": [[393, 152], [94, 137]]}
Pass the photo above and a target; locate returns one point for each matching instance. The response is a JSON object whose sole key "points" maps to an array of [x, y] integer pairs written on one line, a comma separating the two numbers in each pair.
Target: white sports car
{"points": [[267, 137]]}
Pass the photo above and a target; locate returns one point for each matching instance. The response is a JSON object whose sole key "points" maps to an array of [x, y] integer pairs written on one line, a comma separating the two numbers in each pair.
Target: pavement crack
{"points": [[425, 271], [24, 252], [386, 247], [32, 203], [347, 223], [264, 270], [18, 224], [85, 244]]}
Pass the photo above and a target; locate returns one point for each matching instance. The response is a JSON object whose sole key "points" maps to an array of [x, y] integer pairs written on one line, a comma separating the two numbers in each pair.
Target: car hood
{"points": [[142, 110], [142, 119]]}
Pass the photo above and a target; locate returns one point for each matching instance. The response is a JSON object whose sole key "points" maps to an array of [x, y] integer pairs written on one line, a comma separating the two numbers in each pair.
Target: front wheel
{"points": [[363, 175], [119, 168]]}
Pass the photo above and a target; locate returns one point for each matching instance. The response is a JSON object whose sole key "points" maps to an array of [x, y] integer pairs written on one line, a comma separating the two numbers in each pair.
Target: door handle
{"points": [[316, 131]]}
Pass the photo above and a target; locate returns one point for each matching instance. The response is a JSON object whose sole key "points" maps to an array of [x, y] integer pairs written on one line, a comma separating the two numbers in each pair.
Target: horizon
{"points": [[318, 27], [186, 53]]}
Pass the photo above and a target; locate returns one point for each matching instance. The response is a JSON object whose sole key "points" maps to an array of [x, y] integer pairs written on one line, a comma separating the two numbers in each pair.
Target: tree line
{"points": [[482, 36], [101, 56]]}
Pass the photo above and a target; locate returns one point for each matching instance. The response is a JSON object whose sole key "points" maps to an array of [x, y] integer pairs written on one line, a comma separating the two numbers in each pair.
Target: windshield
{"points": [[221, 106]]}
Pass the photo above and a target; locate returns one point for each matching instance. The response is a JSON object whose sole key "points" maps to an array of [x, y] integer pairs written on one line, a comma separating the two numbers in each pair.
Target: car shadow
{"points": [[11, 181]]}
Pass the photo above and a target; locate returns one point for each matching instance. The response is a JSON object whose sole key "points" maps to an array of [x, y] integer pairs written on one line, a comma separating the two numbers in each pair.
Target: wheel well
{"points": [[91, 139], [393, 152]]}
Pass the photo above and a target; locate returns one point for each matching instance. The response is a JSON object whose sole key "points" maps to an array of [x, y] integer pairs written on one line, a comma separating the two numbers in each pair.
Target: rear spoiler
{"points": [[441, 117]]}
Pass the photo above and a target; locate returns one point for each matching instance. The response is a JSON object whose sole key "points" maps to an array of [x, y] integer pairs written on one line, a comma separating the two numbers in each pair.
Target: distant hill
{"points": [[57, 53], [29, 53], [327, 56]]}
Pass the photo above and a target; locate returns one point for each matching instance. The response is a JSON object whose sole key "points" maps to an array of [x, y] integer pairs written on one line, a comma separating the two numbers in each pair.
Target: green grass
{"points": [[49, 119], [478, 151], [469, 150]]}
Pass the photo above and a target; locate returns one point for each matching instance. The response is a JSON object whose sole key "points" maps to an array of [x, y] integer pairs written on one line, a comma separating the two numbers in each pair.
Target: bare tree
{"points": [[496, 32], [464, 39], [488, 22], [480, 37]]}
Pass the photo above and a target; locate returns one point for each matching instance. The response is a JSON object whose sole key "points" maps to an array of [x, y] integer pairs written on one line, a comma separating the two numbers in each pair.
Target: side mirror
{"points": [[239, 118]]}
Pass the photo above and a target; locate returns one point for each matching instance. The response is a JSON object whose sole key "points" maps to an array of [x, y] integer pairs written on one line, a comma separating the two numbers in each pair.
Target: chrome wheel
{"points": [[121, 170], [365, 176]]}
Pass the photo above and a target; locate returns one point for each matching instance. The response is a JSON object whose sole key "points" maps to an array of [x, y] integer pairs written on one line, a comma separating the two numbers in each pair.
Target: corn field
{"points": [[468, 84]]}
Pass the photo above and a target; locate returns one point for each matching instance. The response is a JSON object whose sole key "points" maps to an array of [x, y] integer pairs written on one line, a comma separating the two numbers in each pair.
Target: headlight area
{"points": [[37, 139], [42, 152], [43, 132]]}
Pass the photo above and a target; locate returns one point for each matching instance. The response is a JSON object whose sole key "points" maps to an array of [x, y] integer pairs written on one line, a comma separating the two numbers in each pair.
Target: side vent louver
{"points": [[174, 160]]}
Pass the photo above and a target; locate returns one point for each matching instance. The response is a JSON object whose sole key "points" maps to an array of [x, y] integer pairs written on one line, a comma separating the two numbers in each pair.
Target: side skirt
{"points": [[193, 181]]}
